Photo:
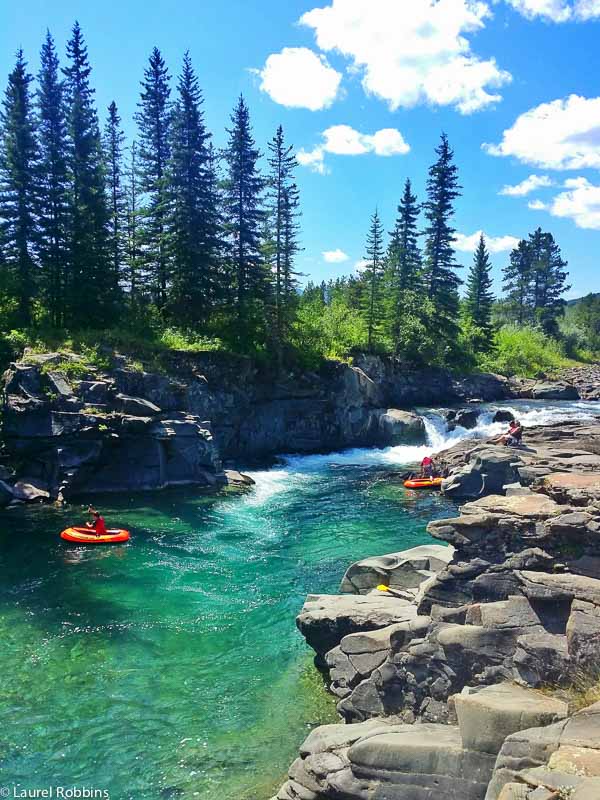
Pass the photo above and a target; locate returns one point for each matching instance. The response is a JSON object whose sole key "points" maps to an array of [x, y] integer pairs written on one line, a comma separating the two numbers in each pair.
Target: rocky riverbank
{"points": [[70, 427], [466, 682]]}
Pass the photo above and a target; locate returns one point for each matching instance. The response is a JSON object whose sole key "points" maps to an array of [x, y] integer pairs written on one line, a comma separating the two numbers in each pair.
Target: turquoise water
{"points": [[171, 666]]}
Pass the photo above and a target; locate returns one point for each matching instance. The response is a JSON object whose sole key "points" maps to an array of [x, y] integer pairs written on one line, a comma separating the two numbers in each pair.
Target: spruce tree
{"points": [[154, 122], [222, 275], [517, 282], [133, 246], [114, 139], [243, 189], [372, 277], [440, 278], [53, 183], [91, 287], [18, 186], [290, 246], [404, 265], [479, 298], [194, 224], [548, 280], [283, 207]]}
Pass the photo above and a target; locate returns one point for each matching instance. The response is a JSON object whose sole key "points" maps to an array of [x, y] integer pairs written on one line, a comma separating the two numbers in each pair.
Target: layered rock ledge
{"points": [[461, 683]]}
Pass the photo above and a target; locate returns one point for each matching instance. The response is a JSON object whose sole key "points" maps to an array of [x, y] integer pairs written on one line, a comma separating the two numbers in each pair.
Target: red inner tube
{"points": [[87, 535]]}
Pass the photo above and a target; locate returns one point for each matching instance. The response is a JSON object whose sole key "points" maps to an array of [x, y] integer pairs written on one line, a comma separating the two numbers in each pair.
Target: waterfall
{"points": [[298, 469]]}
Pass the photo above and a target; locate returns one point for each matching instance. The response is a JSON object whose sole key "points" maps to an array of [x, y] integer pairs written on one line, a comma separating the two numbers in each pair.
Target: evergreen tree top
{"points": [[78, 72]]}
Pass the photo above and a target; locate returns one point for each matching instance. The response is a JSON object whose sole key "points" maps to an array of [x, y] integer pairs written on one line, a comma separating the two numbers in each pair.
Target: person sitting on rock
{"points": [[98, 524], [514, 435]]}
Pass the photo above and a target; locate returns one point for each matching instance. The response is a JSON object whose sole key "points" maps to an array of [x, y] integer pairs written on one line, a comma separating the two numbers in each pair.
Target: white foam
{"points": [[306, 468]]}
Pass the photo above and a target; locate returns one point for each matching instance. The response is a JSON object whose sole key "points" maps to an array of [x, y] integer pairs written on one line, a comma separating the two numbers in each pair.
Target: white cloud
{"points": [[537, 205], [495, 244], [335, 256], [562, 134], [557, 10], [554, 10], [406, 57], [343, 140], [581, 203], [361, 265], [313, 159], [299, 78], [527, 186], [588, 9]]}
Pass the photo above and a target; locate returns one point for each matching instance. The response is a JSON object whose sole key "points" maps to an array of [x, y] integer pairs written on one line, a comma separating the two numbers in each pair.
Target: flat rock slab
{"points": [[578, 488], [487, 716], [329, 738], [577, 760], [533, 506], [420, 761], [326, 619]]}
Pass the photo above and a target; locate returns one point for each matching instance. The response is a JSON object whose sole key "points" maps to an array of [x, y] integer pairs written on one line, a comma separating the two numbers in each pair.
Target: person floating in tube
{"points": [[98, 524]]}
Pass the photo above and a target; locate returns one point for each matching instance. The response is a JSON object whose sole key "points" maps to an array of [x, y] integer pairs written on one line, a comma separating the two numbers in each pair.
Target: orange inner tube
{"points": [[87, 536], [423, 483]]}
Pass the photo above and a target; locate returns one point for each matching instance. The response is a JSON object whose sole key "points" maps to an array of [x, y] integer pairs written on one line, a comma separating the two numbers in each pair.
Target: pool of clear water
{"points": [[171, 666]]}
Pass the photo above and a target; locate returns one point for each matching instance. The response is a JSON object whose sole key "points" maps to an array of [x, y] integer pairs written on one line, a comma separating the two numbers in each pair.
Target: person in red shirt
{"points": [[427, 467], [98, 524]]}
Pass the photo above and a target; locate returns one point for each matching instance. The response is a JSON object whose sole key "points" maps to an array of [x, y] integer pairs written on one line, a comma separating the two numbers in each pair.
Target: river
{"points": [[170, 667]]}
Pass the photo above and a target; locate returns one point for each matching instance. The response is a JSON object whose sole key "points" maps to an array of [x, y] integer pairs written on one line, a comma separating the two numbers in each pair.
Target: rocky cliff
{"points": [[70, 427], [460, 681]]}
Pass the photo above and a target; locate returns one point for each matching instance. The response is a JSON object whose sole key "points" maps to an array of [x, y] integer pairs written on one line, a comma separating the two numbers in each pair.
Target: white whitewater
{"points": [[301, 469]]}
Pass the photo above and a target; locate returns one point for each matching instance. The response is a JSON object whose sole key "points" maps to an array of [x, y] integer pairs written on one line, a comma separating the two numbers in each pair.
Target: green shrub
{"points": [[176, 339], [524, 351], [70, 368]]}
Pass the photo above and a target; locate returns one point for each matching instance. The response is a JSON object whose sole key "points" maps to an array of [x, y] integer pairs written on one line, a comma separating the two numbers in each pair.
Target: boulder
{"points": [[400, 427], [28, 492], [503, 415], [404, 570], [464, 418], [488, 715], [487, 472], [484, 386], [235, 478], [546, 390]]}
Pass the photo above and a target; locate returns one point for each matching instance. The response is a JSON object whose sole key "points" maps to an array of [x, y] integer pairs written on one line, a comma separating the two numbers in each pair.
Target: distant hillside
{"points": [[577, 300]]}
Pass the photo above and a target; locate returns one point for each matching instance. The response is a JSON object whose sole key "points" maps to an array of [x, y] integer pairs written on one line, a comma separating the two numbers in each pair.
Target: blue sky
{"points": [[363, 89]]}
